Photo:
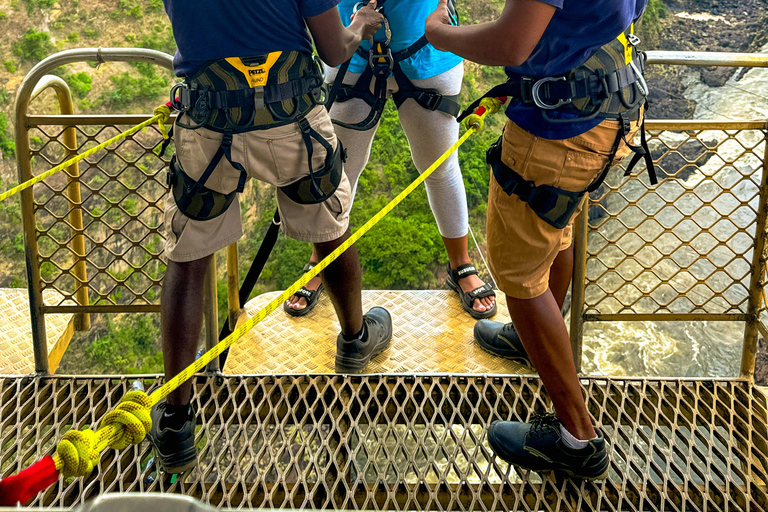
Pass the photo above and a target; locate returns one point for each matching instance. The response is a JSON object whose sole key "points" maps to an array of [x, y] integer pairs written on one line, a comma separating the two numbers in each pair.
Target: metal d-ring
{"points": [[539, 102]]}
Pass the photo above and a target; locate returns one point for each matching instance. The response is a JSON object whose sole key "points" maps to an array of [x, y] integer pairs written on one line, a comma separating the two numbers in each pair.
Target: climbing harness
{"points": [[383, 63], [79, 451], [238, 95], [609, 85]]}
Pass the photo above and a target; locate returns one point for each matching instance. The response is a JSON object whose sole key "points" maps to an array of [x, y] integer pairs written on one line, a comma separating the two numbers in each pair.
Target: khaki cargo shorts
{"points": [[521, 246], [277, 156]]}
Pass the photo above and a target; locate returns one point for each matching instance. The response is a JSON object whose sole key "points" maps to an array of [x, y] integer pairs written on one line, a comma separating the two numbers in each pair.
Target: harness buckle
{"points": [[178, 102], [375, 58], [536, 91], [429, 100], [633, 39]]}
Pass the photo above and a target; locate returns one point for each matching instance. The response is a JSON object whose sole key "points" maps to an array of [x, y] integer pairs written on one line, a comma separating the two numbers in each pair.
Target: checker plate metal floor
{"points": [[432, 334], [389, 442], [16, 352]]}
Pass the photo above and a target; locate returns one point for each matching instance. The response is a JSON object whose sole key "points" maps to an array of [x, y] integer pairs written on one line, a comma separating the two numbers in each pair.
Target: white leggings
{"points": [[429, 133]]}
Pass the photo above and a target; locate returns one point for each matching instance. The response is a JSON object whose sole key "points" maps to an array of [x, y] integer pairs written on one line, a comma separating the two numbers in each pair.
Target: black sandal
{"points": [[310, 296], [468, 298]]}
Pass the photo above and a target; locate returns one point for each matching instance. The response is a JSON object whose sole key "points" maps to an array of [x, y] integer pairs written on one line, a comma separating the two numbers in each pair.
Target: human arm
{"points": [[506, 41], [336, 43]]}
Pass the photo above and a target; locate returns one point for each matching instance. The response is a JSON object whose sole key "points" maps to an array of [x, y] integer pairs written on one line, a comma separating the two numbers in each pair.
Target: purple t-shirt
{"points": [[577, 29], [208, 30]]}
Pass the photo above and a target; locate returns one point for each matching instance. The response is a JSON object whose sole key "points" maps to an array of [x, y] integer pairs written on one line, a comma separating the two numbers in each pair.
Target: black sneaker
{"points": [[500, 339], [174, 448], [539, 446], [352, 356]]}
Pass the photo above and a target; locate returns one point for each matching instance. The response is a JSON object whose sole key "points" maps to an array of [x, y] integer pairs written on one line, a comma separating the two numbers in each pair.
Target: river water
{"points": [[729, 179]]}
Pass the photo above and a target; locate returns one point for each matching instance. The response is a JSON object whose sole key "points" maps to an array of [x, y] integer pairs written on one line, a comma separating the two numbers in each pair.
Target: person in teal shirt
{"points": [[430, 133]]}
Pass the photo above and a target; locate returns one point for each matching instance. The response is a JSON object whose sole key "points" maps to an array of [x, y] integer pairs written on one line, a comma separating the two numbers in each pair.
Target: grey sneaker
{"points": [[539, 446], [500, 339], [175, 449], [353, 356]]}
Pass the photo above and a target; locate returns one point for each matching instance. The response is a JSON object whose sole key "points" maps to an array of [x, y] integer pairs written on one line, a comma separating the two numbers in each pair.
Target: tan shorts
{"points": [[277, 156], [521, 246]]}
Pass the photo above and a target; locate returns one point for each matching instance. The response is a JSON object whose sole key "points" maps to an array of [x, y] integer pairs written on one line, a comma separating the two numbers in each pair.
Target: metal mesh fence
{"points": [[411, 443], [686, 245], [123, 191]]}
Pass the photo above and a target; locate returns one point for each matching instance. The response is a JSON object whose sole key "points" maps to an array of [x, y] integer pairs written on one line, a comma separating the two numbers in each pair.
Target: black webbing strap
{"points": [[307, 134], [429, 99], [254, 272], [376, 100], [338, 81], [642, 151]]}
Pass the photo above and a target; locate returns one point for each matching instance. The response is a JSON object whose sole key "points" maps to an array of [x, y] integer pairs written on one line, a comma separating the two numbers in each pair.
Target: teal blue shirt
{"points": [[406, 20]]}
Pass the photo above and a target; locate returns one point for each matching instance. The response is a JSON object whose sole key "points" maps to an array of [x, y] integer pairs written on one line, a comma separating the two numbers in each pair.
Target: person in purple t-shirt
{"points": [[236, 42], [544, 148]]}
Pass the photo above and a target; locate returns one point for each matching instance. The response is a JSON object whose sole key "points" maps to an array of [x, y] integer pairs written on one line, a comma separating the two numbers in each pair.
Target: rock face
{"points": [[702, 25], [761, 363]]}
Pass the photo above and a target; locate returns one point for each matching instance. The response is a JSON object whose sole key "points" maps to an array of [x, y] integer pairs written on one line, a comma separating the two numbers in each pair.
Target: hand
{"points": [[367, 20], [441, 16]]}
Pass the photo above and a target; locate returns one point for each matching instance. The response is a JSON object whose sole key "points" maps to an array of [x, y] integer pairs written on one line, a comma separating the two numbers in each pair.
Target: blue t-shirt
{"points": [[406, 20], [208, 30], [577, 29]]}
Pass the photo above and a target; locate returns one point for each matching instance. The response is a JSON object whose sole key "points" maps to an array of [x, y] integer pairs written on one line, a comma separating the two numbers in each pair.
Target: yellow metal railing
{"points": [[689, 249]]}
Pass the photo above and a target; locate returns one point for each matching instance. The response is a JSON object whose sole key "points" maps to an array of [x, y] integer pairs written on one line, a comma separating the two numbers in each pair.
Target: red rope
{"points": [[23, 487]]}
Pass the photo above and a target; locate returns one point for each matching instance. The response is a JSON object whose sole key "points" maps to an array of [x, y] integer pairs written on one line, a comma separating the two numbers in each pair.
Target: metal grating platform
{"points": [[389, 442], [431, 334], [16, 351]]}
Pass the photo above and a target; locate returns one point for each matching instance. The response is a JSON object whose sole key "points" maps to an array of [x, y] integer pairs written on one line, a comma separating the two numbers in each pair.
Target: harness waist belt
{"points": [[553, 205]]}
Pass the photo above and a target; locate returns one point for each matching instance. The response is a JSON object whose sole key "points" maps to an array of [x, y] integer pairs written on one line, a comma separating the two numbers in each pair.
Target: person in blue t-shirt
{"points": [[546, 145], [244, 53], [430, 133]]}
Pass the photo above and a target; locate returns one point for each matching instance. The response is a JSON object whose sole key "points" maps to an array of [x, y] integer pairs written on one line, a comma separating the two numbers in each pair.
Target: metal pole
{"points": [[211, 313], [233, 286], [578, 284], [82, 320], [749, 350]]}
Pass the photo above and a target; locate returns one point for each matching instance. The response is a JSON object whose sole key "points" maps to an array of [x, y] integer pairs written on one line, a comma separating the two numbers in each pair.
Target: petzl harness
{"points": [[383, 63], [237, 95], [609, 85]]}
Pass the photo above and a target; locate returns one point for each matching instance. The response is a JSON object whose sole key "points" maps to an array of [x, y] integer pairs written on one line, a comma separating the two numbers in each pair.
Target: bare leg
{"points": [[458, 254], [297, 302], [181, 314], [342, 278], [542, 330], [560, 275]]}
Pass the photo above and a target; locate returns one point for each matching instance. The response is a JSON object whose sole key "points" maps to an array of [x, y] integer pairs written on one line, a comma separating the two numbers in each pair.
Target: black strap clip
{"points": [[381, 60]]}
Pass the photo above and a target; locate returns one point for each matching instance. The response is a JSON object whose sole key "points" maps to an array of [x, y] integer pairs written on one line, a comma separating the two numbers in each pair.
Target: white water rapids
{"points": [[694, 349]]}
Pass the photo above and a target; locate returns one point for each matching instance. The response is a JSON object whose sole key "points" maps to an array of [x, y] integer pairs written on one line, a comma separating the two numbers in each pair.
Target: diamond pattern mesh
{"points": [[411, 443], [686, 245], [123, 190]]}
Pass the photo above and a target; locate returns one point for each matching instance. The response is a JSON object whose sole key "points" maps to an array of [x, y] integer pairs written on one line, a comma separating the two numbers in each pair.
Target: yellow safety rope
{"points": [[77, 453], [162, 116]]}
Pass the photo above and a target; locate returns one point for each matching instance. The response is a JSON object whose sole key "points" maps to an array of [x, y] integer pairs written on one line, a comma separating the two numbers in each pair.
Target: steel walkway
{"points": [[16, 348], [411, 442]]}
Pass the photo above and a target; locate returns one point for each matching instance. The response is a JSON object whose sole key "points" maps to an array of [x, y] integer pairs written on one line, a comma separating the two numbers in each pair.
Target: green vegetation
{"points": [[128, 346], [33, 46], [32, 5], [9, 66], [127, 89], [80, 84], [7, 145], [651, 26]]}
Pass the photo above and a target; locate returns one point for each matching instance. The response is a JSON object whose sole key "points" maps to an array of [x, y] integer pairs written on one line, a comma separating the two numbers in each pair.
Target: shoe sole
{"points": [[352, 365], [177, 463], [477, 315]]}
